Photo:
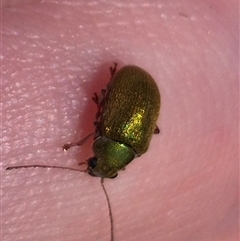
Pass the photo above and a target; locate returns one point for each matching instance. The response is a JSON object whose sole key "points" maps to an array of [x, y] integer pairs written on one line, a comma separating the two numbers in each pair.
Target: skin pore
{"points": [[55, 55]]}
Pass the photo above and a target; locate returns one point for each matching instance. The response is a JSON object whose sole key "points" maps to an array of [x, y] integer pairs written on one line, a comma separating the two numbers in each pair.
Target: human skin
{"points": [[56, 54]]}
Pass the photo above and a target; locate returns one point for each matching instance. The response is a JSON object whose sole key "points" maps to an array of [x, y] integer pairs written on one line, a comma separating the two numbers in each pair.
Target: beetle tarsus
{"points": [[65, 147], [103, 92], [113, 69], [156, 130], [95, 98]]}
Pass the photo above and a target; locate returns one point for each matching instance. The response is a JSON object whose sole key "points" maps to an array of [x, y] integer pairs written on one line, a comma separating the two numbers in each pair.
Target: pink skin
{"points": [[56, 55]]}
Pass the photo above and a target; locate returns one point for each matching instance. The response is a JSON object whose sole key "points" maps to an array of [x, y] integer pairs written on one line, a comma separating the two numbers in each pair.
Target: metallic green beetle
{"points": [[125, 121]]}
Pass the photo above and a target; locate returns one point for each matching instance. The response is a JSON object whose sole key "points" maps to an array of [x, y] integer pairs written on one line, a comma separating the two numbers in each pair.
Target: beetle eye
{"points": [[92, 162]]}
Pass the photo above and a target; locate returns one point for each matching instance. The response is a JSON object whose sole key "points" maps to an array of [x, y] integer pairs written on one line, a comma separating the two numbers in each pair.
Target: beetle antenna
{"points": [[65, 147], [45, 166], [109, 208]]}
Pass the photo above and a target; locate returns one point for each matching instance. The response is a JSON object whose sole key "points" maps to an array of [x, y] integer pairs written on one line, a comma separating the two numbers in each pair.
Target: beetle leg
{"points": [[97, 125], [157, 130], [65, 147], [96, 101], [103, 92], [95, 98], [113, 69], [99, 102], [102, 99]]}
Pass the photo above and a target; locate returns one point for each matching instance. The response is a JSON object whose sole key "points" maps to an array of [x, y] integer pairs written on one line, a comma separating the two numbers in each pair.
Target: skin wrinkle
{"points": [[185, 187]]}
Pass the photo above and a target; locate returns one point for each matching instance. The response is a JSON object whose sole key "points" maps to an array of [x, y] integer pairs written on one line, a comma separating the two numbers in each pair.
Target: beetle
{"points": [[126, 118], [125, 121]]}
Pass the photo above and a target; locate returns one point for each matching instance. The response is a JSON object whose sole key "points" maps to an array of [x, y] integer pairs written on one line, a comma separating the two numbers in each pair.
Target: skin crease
{"points": [[55, 55]]}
